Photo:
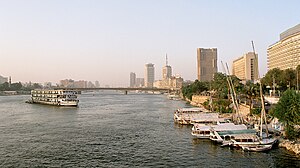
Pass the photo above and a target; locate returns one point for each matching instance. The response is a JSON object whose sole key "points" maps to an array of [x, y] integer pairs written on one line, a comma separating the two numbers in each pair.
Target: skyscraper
{"points": [[132, 79], [246, 67], [149, 75], [167, 70], [206, 63]]}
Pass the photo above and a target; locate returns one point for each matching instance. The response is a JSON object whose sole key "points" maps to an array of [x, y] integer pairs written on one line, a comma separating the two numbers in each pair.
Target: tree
{"points": [[251, 91], [287, 110], [195, 88], [220, 86], [273, 75], [289, 78]]}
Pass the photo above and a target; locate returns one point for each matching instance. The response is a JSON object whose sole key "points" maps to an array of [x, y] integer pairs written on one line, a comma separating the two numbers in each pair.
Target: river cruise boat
{"points": [[250, 140], [187, 116], [226, 131], [211, 131], [54, 97], [183, 115], [201, 131]]}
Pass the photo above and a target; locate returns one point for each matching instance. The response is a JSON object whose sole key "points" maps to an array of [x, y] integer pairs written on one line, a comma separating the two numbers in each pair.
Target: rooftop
{"points": [[290, 31]]}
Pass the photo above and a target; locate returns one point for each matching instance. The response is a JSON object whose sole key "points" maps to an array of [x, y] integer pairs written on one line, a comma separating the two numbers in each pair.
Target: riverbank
{"points": [[293, 146], [12, 93]]}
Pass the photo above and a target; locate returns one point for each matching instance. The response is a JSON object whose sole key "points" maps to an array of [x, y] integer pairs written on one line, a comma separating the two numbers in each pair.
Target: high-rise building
{"points": [[132, 79], [246, 67], [166, 70], [149, 75], [206, 63], [285, 53]]}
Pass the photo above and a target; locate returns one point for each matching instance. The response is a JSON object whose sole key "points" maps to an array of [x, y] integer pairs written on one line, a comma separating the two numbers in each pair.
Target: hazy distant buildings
{"points": [[149, 75], [140, 82], [3, 79], [285, 53], [246, 67], [97, 84], [206, 63], [168, 81], [132, 79], [70, 83], [175, 82], [66, 83], [166, 70], [47, 85], [90, 85]]}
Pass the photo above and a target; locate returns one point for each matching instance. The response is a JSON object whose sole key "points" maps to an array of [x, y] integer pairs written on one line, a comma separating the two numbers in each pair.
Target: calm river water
{"points": [[110, 129]]}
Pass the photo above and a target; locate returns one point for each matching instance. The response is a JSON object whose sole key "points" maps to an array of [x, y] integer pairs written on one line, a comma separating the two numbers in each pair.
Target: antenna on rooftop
{"points": [[166, 59]]}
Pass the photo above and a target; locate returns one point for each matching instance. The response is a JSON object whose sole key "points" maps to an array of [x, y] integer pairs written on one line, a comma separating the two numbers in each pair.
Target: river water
{"points": [[110, 129]]}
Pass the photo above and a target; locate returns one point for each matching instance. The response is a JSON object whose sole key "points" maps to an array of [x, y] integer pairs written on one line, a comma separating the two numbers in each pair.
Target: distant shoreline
{"points": [[14, 93]]}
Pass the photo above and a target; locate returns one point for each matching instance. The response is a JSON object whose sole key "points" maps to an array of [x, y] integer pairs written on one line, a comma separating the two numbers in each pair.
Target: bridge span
{"points": [[126, 89]]}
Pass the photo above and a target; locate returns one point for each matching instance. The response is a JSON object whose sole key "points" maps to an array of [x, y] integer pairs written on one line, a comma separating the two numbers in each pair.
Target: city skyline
{"points": [[106, 40]]}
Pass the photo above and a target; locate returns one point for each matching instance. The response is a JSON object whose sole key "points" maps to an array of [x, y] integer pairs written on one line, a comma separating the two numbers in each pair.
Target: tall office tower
{"points": [[206, 63], [246, 67], [285, 53], [167, 70], [149, 75], [132, 79]]}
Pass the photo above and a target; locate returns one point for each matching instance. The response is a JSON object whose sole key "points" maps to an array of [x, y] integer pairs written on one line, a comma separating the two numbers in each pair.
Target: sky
{"points": [[105, 40]]}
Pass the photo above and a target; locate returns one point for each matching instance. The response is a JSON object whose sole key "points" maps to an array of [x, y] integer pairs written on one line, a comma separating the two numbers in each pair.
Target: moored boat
{"points": [[54, 97], [257, 148]]}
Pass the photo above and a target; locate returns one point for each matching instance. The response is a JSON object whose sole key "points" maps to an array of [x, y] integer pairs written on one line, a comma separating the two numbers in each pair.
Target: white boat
{"points": [[187, 116], [250, 140], [223, 132], [214, 131], [55, 97], [182, 115], [257, 148], [201, 131], [173, 97]]}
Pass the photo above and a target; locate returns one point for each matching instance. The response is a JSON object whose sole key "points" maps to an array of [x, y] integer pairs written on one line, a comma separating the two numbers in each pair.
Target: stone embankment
{"points": [[293, 146]]}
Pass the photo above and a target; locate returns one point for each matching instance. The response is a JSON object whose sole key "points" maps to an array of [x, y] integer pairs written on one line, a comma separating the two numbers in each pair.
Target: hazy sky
{"points": [[106, 40]]}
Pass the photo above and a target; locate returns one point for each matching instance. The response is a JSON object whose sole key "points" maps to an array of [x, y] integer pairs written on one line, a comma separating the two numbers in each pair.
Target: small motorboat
{"points": [[257, 148]]}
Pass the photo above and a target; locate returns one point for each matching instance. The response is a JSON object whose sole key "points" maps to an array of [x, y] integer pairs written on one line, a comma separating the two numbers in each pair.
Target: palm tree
{"points": [[251, 91]]}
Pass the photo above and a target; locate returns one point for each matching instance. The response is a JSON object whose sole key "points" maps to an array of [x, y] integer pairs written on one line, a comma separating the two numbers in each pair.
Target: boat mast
{"points": [[231, 89], [235, 96], [263, 117]]}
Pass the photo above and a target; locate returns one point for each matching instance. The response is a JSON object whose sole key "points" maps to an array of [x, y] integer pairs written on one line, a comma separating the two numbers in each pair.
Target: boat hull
{"points": [[70, 104]]}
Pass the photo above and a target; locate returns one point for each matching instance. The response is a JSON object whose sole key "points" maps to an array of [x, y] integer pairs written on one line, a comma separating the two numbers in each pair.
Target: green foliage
{"points": [[220, 85], [282, 79], [18, 87], [287, 110], [195, 88], [256, 111], [219, 105]]}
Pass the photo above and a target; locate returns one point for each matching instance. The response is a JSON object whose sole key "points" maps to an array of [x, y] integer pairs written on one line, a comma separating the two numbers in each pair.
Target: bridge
{"points": [[126, 89]]}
